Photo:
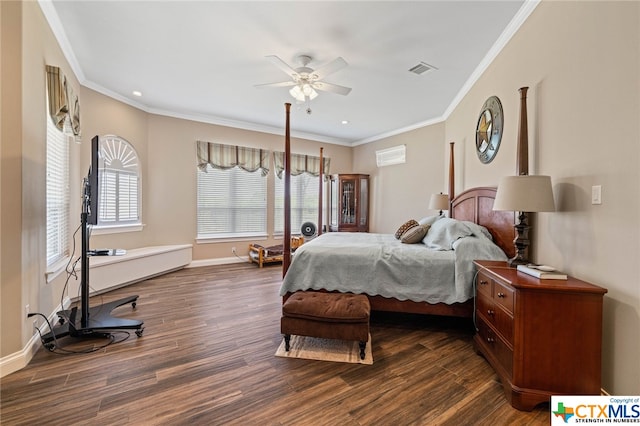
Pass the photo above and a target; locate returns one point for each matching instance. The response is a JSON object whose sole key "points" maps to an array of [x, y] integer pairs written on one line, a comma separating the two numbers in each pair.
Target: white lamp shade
{"points": [[527, 193], [439, 202], [300, 91]]}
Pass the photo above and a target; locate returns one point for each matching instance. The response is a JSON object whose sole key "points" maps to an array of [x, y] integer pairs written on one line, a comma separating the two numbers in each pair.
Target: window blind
{"points": [[57, 194], [231, 202], [119, 181], [304, 202], [118, 197]]}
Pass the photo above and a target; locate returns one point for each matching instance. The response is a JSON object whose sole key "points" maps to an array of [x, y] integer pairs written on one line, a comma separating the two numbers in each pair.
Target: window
{"points": [[119, 181], [57, 194], [231, 202], [232, 190], [305, 172], [304, 202]]}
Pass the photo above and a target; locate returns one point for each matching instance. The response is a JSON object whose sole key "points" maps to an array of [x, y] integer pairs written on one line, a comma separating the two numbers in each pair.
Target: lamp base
{"points": [[517, 260], [521, 242]]}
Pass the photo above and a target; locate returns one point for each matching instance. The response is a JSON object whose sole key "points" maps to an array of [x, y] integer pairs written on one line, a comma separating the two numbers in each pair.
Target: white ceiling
{"points": [[201, 60]]}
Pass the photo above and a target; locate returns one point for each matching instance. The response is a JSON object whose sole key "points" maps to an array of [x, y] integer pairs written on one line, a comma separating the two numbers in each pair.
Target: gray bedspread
{"points": [[379, 264]]}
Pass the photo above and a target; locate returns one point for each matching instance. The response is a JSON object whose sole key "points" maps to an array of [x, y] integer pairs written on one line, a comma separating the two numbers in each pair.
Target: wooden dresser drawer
{"points": [[503, 323], [494, 302], [500, 319], [503, 295], [484, 285], [499, 350], [484, 307]]}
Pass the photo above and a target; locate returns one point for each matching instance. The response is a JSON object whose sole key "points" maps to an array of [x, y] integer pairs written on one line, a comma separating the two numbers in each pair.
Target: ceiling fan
{"points": [[306, 80]]}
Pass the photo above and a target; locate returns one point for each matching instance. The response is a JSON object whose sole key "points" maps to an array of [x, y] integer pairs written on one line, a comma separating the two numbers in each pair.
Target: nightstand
{"points": [[542, 337]]}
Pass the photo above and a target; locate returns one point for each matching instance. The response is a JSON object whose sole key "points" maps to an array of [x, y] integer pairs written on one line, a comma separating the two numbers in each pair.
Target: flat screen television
{"points": [[91, 190]]}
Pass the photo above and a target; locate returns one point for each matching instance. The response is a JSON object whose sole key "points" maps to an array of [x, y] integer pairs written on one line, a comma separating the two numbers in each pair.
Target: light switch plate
{"points": [[596, 194]]}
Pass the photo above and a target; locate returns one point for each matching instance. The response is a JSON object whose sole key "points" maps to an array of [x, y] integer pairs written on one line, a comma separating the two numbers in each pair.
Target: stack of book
{"points": [[542, 272]]}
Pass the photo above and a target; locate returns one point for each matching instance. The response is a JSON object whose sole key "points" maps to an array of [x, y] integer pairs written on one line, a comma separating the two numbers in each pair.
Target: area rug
{"points": [[326, 350]]}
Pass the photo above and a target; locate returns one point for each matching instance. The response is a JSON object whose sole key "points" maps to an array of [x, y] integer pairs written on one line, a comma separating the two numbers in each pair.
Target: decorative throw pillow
{"points": [[415, 234], [405, 226]]}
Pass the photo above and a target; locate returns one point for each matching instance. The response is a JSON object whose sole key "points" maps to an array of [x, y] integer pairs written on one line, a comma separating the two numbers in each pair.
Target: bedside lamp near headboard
{"points": [[439, 202], [524, 194]]}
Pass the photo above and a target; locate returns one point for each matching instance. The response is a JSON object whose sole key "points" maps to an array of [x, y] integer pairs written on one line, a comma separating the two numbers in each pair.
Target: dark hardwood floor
{"points": [[207, 357]]}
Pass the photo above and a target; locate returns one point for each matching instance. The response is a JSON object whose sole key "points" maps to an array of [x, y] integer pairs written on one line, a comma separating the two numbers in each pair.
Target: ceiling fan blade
{"points": [[329, 68], [279, 84], [283, 66], [330, 87]]}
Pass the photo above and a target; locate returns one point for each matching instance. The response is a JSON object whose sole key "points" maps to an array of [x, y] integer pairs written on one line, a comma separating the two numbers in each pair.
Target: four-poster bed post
{"points": [[286, 253], [320, 193], [451, 177], [522, 154]]}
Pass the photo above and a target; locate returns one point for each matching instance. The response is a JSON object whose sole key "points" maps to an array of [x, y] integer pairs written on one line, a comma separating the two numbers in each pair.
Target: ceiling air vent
{"points": [[389, 156], [421, 68]]}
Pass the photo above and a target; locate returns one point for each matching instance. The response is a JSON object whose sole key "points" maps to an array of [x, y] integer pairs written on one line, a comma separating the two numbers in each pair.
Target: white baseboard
{"points": [[220, 261], [108, 273], [19, 360]]}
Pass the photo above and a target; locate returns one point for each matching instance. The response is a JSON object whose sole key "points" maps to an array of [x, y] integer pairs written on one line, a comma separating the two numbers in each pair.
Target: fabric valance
{"points": [[63, 102], [301, 164], [221, 156]]}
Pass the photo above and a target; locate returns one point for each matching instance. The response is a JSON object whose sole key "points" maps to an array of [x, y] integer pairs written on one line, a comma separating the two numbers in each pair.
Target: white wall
{"points": [[402, 191]]}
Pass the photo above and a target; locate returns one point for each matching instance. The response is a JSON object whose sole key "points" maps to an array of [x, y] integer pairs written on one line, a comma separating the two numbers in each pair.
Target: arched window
{"points": [[119, 182]]}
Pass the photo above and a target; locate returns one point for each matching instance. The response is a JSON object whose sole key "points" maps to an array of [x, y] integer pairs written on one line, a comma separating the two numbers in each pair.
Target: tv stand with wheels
{"points": [[86, 322]]}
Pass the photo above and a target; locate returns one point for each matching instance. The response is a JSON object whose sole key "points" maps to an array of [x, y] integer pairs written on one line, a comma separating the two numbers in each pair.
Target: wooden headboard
{"points": [[476, 205]]}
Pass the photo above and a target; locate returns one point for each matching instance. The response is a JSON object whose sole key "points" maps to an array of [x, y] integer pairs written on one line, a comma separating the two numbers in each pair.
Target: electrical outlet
{"points": [[233, 250], [27, 310]]}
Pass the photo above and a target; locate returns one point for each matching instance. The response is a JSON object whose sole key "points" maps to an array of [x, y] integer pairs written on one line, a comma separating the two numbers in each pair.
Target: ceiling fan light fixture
{"points": [[301, 91]]}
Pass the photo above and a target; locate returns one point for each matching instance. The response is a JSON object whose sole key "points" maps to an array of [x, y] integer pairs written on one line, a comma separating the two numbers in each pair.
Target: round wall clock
{"points": [[489, 129]]}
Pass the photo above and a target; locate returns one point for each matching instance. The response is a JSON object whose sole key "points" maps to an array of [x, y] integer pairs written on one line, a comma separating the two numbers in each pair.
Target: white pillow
{"points": [[429, 220], [444, 232], [478, 230]]}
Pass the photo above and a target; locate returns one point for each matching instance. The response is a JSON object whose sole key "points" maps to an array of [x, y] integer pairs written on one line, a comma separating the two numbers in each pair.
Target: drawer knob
{"points": [[491, 312], [500, 294], [483, 282], [490, 340]]}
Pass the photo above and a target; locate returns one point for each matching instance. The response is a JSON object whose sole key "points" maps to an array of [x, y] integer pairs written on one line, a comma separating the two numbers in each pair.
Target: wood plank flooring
{"points": [[207, 358]]}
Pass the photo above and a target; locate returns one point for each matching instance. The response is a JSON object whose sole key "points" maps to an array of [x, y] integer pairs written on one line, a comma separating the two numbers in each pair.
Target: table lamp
{"points": [[524, 194], [439, 202]]}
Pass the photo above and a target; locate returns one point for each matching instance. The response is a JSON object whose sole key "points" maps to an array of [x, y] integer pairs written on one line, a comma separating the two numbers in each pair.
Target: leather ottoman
{"points": [[343, 316]]}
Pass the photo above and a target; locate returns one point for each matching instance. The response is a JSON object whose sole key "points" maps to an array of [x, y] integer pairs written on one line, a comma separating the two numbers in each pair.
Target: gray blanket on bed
{"points": [[379, 264]]}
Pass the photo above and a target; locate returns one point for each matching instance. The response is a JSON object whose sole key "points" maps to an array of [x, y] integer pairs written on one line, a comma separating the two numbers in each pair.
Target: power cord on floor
{"points": [[475, 297], [233, 250], [56, 349]]}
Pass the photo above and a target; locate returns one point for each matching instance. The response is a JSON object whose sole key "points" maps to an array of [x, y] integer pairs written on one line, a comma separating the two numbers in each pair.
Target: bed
{"points": [[403, 277], [473, 206]]}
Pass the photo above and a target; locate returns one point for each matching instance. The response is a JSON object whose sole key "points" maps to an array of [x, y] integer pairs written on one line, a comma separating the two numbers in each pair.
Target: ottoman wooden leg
{"points": [[287, 341], [363, 345]]}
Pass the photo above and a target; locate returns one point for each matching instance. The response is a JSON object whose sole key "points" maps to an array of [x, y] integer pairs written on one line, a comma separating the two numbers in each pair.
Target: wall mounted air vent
{"points": [[422, 68], [389, 156]]}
